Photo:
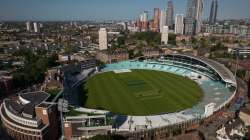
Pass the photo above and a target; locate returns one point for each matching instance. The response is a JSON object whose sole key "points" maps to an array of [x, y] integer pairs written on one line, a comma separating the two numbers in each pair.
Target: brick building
{"points": [[29, 117], [108, 57]]}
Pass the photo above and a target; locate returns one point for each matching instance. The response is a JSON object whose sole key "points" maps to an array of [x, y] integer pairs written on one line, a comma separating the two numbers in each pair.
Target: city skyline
{"points": [[104, 10]]}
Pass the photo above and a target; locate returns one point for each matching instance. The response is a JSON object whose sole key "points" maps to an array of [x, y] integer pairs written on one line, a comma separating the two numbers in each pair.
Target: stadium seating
{"points": [[210, 87]]}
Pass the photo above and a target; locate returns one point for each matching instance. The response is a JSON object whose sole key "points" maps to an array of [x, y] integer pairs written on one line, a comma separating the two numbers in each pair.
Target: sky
{"points": [[108, 9]]}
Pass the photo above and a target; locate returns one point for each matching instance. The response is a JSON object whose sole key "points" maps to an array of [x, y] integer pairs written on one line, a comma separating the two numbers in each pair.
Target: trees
{"points": [[149, 37], [20, 80], [203, 42], [218, 46], [52, 60], [34, 68], [241, 74], [131, 54], [120, 40], [138, 54], [193, 40], [172, 39], [68, 49], [183, 41], [212, 39]]}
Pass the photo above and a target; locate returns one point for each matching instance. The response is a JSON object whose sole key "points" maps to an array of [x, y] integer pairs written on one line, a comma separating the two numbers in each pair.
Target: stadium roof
{"points": [[221, 69], [224, 73]]}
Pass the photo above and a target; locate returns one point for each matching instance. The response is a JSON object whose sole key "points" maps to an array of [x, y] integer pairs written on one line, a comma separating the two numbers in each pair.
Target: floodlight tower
{"points": [[63, 104]]}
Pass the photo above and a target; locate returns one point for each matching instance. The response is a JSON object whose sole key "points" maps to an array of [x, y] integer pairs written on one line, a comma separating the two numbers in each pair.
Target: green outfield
{"points": [[141, 92]]}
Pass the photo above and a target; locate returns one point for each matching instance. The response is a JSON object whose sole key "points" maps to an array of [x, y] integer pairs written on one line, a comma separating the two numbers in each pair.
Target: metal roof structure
{"points": [[225, 74]]}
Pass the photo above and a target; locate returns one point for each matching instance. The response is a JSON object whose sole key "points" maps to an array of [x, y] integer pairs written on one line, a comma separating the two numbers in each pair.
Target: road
{"points": [[71, 86]]}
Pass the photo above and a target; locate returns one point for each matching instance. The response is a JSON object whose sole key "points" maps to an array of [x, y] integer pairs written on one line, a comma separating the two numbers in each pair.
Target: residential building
{"points": [[189, 26], [163, 20], [103, 39], [179, 24], [164, 35], [116, 56], [156, 20], [36, 27], [28, 28]]}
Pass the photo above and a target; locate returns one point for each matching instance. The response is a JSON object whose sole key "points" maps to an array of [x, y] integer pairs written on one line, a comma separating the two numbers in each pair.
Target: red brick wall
{"points": [[67, 130]]}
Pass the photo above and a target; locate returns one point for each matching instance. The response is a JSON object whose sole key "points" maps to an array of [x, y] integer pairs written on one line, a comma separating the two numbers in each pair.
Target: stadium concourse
{"points": [[216, 81]]}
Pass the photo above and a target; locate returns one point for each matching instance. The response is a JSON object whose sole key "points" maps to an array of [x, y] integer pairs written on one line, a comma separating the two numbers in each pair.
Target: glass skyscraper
{"points": [[170, 14], [193, 18], [213, 12]]}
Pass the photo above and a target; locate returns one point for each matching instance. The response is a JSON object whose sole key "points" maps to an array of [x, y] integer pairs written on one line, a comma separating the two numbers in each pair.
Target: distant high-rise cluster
{"points": [[213, 12], [161, 17], [190, 24], [36, 27], [103, 39]]}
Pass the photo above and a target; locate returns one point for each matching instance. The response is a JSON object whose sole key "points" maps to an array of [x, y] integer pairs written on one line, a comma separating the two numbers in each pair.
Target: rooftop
{"points": [[27, 110], [19, 124], [35, 97], [224, 73]]}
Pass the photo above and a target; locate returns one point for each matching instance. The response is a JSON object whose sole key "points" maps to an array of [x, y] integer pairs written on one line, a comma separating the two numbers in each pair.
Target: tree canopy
{"points": [[149, 37], [33, 71], [172, 39]]}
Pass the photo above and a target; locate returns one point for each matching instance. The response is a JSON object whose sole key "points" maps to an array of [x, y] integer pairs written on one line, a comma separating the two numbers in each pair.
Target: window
{"points": [[44, 112], [66, 125]]}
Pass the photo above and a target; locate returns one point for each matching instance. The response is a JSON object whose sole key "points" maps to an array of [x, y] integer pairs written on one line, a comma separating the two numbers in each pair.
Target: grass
{"points": [[53, 93], [141, 92]]}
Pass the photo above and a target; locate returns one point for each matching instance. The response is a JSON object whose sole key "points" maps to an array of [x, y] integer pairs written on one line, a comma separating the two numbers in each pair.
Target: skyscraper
{"points": [[179, 24], [189, 26], [28, 28], [193, 18], [144, 16], [213, 12], [170, 14], [164, 35], [103, 39], [191, 4], [199, 12], [144, 21], [156, 20], [36, 27], [138, 24], [163, 19]]}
